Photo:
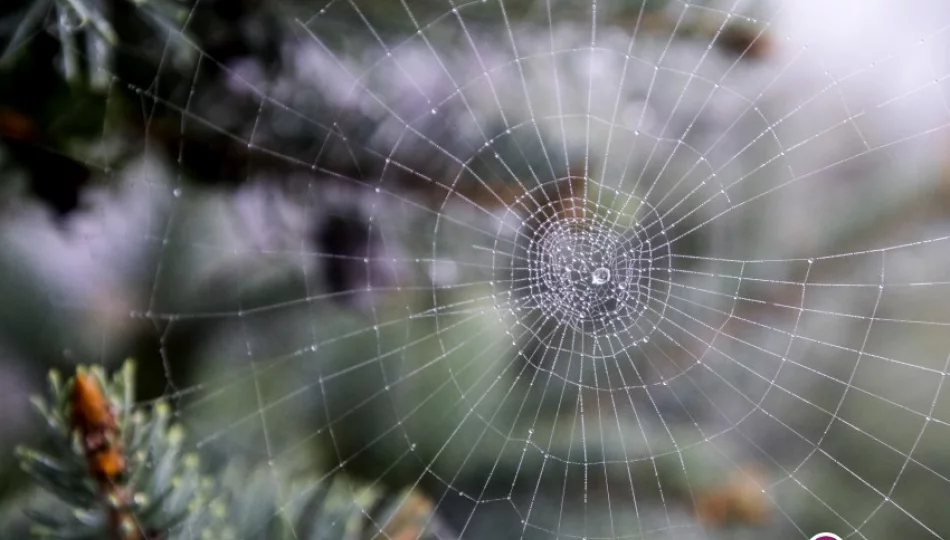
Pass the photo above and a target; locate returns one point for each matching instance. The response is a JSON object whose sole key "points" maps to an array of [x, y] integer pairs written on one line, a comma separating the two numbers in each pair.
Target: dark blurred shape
{"points": [[56, 179], [344, 241], [747, 42], [38, 114]]}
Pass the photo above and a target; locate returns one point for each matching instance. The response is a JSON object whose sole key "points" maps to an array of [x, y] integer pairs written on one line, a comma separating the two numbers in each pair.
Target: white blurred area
{"points": [[864, 99]]}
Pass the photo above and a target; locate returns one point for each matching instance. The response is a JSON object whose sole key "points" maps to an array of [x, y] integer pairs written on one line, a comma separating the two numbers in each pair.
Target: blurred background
{"points": [[363, 235]]}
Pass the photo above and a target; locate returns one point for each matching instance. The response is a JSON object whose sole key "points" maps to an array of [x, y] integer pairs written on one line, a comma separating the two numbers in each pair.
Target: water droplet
{"points": [[176, 192], [600, 276]]}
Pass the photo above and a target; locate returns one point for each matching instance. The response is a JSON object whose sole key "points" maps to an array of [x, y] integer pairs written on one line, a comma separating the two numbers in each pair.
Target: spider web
{"points": [[612, 279]]}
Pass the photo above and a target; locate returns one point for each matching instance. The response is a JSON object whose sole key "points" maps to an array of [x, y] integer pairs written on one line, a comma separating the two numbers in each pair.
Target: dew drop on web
{"points": [[600, 276]]}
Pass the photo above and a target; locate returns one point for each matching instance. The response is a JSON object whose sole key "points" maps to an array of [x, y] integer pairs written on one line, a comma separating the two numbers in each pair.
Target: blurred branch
{"points": [[89, 19], [31, 19]]}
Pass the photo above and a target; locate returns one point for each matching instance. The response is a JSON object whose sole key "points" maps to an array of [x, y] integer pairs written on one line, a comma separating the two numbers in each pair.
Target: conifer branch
{"points": [[118, 472]]}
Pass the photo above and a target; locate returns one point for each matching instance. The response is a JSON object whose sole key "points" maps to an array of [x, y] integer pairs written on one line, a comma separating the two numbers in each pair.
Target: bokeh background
{"points": [[302, 219]]}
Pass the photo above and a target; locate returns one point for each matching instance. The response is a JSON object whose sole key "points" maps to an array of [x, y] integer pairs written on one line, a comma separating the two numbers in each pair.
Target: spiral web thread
{"points": [[627, 279]]}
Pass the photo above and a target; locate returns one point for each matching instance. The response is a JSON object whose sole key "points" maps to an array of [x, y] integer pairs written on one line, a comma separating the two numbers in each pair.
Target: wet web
{"points": [[611, 279]]}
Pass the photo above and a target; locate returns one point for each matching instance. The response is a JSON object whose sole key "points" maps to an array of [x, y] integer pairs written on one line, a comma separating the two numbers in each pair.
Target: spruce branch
{"points": [[117, 471]]}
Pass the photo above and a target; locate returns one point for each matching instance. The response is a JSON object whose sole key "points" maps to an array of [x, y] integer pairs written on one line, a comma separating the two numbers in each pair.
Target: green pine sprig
{"points": [[156, 489], [160, 492]]}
